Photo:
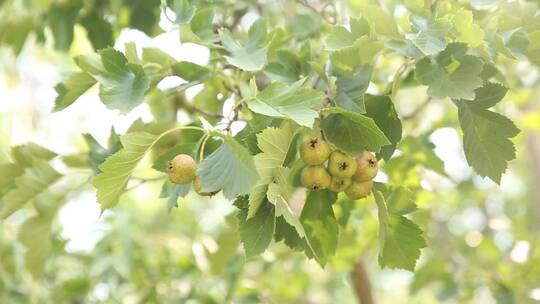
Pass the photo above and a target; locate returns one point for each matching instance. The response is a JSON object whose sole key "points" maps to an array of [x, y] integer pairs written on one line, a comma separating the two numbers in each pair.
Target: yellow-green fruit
{"points": [[366, 167], [182, 169], [358, 190], [197, 188], [339, 184], [341, 164], [315, 178], [314, 151]]}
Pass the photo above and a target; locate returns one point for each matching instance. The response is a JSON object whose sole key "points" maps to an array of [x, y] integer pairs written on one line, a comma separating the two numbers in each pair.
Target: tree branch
{"points": [[417, 110], [361, 283], [181, 103]]}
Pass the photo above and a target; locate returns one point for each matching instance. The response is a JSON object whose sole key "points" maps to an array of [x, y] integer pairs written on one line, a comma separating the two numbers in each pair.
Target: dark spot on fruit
{"points": [[372, 163], [313, 142], [315, 187], [343, 165]]}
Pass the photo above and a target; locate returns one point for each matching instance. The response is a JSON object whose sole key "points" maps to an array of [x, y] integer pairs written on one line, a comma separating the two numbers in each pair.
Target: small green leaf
{"points": [[340, 37], [117, 169], [173, 192], [184, 11], [351, 89], [71, 89], [61, 18], [451, 74], [466, 30], [34, 235], [32, 182], [286, 68], [430, 37], [353, 132], [383, 23], [295, 102], [320, 224], [252, 55], [362, 52], [230, 168], [400, 239], [190, 71], [256, 232]]}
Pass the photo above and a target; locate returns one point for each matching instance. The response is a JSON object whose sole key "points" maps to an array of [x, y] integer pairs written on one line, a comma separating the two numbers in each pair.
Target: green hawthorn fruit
{"points": [[358, 190], [315, 177], [339, 184], [366, 167], [197, 188], [182, 169], [341, 165], [315, 151]]}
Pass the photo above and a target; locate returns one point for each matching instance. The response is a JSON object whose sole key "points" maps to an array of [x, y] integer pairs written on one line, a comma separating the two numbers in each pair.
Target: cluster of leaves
{"points": [[307, 78]]}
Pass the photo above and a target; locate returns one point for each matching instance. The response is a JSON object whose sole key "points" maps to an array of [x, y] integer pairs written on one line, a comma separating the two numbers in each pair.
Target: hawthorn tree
{"points": [[281, 76]]}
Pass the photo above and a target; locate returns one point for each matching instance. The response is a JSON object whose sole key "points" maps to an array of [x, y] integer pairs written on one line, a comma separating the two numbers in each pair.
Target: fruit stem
{"points": [[201, 147]]}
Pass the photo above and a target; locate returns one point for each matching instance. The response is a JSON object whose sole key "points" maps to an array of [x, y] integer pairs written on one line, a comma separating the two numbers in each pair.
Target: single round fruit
{"points": [[358, 190], [182, 169], [366, 167], [339, 184], [315, 178], [341, 164], [197, 188], [314, 151]]}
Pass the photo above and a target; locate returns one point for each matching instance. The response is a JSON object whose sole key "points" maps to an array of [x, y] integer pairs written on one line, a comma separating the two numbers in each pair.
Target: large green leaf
{"points": [[117, 169], [294, 101], [32, 182], [230, 168], [451, 74], [71, 89], [61, 18], [274, 144], [252, 55], [122, 84], [400, 239], [381, 110], [486, 134], [320, 224], [353, 132], [256, 232]]}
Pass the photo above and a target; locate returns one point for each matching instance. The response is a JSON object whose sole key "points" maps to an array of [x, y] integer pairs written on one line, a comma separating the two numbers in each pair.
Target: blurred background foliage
{"points": [[483, 239]]}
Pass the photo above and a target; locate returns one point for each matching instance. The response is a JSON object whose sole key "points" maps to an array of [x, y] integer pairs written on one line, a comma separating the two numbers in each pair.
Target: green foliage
{"points": [[359, 74]]}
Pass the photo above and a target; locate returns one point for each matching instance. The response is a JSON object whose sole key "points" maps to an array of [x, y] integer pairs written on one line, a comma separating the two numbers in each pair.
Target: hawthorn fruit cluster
{"points": [[342, 172]]}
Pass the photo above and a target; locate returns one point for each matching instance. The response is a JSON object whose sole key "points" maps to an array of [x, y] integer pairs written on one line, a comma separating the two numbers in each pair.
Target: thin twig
{"points": [[181, 103], [143, 181]]}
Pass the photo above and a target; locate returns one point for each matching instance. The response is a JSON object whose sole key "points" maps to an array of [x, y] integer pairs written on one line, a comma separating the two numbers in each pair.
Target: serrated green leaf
{"points": [[466, 30], [32, 182], [117, 169], [173, 192], [230, 168], [71, 89], [320, 224], [123, 84], [350, 90], [430, 37], [256, 232], [252, 55], [274, 144], [451, 74], [486, 134], [295, 102], [400, 239], [381, 110], [353, 132], [286, 68], [399, 199]]}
